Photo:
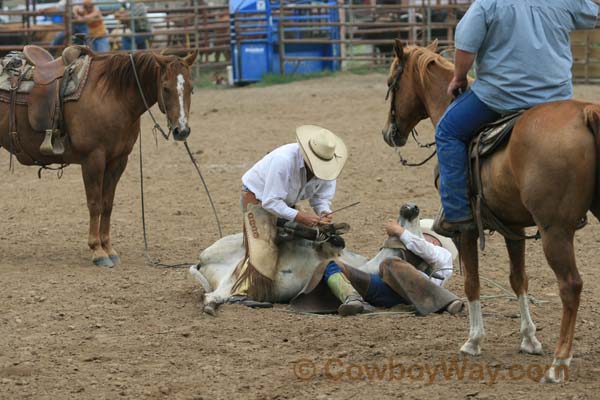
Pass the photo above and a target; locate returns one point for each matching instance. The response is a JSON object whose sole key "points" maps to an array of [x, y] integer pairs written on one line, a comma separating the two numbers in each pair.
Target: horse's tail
{"points": [[591, 114]]}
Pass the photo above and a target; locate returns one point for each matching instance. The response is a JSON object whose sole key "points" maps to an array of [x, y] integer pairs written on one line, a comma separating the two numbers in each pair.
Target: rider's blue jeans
{"points": [[461, 121]]}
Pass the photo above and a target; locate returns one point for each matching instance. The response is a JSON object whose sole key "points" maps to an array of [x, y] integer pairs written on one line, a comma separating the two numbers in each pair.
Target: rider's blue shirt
{"points": [[523, 49]]}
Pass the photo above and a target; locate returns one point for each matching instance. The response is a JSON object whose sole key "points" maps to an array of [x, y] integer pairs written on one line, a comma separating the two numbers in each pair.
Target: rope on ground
{"points": [[372, 314], [508, 294], [149, 260]]}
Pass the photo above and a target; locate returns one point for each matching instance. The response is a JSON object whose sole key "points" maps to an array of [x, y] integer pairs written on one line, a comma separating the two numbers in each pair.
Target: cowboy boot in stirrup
{"points": [[451, 229]]}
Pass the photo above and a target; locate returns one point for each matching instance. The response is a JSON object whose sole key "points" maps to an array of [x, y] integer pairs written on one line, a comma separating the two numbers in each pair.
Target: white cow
{"points": [[298, 260]]}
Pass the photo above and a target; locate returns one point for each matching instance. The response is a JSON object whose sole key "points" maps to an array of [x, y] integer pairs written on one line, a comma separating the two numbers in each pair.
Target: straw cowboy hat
{"points": [[324, 152], [448, 244]]}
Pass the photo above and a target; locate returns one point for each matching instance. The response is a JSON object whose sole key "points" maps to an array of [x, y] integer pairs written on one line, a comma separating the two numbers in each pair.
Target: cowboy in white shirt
{"points": [[298, 171], [305, 170]]}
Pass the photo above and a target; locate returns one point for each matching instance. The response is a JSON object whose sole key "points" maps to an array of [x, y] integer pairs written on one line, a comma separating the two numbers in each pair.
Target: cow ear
{"points": [[399, 50], [433, 46]]}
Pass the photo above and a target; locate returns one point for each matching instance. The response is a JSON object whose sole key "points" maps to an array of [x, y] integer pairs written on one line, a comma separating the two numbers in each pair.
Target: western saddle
{"points": [[44, 106]]}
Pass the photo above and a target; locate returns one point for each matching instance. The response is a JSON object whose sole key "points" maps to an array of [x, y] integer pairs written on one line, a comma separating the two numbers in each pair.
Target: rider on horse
{"points": [[523, 58]]}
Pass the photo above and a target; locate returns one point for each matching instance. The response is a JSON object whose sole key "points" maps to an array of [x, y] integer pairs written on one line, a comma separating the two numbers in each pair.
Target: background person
{"points": [[141, 25], [78, 26], [97, 33]]}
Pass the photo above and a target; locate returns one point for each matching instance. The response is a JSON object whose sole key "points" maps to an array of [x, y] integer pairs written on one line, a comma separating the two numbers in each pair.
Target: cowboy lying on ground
{"points": [[415, 278], [297, 171]]}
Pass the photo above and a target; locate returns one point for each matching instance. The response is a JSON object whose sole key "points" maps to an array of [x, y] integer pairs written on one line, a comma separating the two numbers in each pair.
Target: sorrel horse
{"points": [[103, 125], [546, 175]]}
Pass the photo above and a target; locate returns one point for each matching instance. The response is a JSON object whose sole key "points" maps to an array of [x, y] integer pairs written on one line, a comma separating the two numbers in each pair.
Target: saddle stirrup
{"points": [[52, 144]]}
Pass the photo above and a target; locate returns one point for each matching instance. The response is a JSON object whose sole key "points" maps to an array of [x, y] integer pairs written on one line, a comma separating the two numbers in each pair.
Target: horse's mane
{"points": [[423, 58], [116, 71]]}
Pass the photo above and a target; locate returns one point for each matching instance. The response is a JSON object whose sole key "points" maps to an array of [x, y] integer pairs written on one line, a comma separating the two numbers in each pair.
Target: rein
{"points": [[405, 162], [149, 260], [156, 126]]}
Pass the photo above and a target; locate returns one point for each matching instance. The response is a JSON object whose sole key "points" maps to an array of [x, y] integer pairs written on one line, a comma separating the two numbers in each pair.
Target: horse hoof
{"points": [[104, 262], [470, 349], [116, 260], [531, 346], [211, 309]]}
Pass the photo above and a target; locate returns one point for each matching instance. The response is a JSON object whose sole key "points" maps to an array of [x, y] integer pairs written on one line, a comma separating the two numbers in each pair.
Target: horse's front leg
{"points": [[519, 283], [92, 169], [468, 253], [112, 174]]}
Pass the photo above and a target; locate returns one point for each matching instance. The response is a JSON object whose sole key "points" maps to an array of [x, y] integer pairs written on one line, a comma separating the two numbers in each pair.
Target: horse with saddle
{"points": [[35, 78]]}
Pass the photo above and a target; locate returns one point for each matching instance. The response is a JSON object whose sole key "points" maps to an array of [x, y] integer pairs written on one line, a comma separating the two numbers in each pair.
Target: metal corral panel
{"points": [[255, 47]]}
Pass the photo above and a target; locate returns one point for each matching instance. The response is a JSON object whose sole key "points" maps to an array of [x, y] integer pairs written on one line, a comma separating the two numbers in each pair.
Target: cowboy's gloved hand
{"points": [[307, 219], [326, 218], [393, 228]]}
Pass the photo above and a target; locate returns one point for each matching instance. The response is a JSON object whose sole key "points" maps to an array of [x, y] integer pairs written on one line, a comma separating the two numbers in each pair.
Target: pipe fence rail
{"points": [[171, 25], [365, 29]]}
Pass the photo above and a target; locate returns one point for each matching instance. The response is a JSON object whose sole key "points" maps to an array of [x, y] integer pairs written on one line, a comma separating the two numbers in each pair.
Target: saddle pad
{"points": [[15, 63], [79, 72], [493, 135]]}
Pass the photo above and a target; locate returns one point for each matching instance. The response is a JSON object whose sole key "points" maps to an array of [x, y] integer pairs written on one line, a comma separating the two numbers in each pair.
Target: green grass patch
{"points": [[205, 80], [369, 69], [278, 79]]}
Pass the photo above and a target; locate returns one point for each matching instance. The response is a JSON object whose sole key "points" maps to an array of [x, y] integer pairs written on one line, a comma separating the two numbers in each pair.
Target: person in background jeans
{"points": [[97, 33], [78, 27], [140, 23]]}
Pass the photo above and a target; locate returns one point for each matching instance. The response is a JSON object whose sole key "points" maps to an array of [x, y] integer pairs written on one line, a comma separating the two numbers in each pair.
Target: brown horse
{"points": [[103, 125], [546, 175]]}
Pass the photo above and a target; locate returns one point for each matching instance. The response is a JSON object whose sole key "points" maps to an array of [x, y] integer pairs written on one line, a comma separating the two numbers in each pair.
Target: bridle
{"points": [[391, 135]]}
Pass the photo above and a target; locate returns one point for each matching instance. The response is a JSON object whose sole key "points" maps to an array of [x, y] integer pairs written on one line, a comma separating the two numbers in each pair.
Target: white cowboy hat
{"points": [[324, 152], [447, 243]]}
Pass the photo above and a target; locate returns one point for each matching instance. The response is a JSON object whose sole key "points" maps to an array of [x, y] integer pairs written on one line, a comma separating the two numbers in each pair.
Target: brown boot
{"points": [[450, 229], [354, 305]]}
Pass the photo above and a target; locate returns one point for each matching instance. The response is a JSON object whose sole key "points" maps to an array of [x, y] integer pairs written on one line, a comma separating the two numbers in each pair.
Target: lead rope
{"points": [[149, 260], [210, 200]]}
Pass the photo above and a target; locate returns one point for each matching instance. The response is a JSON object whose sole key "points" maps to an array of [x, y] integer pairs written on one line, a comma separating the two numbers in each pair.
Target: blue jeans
{"points": [[99, 44], [379, 294], [59, 39], [459, 124], [141, 42]]}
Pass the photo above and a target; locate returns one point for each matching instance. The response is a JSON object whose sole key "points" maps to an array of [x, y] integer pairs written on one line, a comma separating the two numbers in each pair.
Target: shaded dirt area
{"points": [[69, 330]]}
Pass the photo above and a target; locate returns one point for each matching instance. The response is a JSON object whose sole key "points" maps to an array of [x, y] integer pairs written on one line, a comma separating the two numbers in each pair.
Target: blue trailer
{"points": [[255, 46]]}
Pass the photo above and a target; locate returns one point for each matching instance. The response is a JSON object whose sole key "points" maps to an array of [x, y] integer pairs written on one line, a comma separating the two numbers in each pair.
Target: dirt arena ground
{"points": [[69, 330]]}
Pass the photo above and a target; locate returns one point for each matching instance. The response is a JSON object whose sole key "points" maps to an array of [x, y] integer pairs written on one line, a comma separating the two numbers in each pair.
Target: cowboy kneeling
{"points": [[271, 188]]}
